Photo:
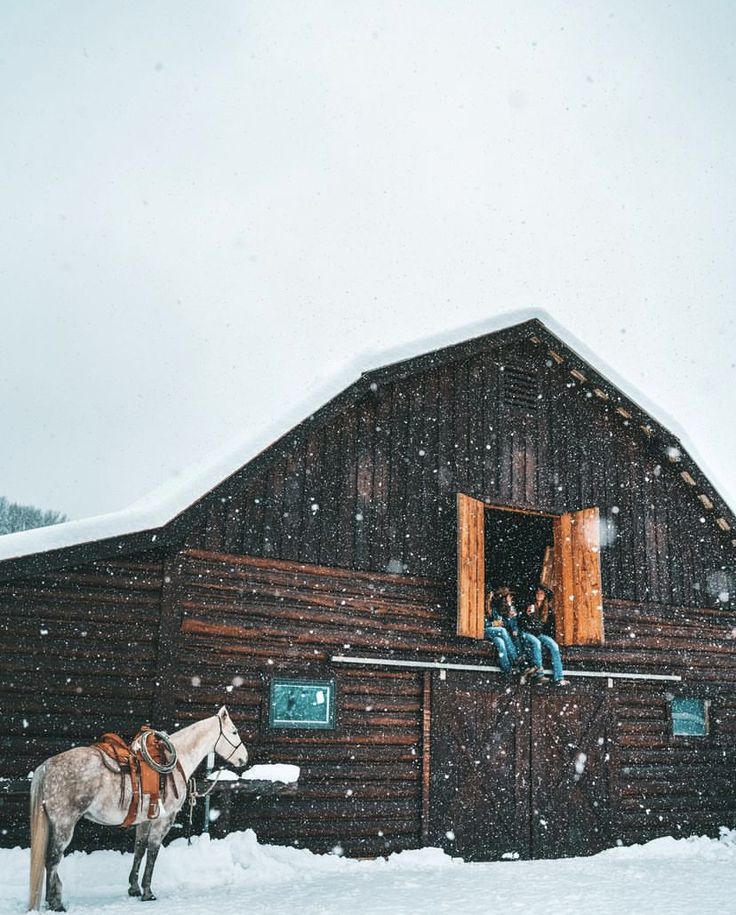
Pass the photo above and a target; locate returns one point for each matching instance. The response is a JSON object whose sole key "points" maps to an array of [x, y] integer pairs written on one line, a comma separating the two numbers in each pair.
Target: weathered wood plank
{"points": [[470, 566]]}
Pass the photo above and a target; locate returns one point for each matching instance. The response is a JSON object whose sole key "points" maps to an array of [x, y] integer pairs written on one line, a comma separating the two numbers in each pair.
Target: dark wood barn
{"points": [[331, 592]]}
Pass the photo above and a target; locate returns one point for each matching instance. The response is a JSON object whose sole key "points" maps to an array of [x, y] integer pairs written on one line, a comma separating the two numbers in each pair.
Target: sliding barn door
{"points": [[470, 566], [570, 773], [577, 578], [517, 770], [479, 782]]}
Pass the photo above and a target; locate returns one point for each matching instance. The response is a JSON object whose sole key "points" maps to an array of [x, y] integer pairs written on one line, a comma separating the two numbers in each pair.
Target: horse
{"points": [[78, 783]]}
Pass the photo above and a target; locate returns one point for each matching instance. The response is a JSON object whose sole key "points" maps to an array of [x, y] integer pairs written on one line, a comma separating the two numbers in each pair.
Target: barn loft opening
{"points": [[518, 551], [493, 549]]}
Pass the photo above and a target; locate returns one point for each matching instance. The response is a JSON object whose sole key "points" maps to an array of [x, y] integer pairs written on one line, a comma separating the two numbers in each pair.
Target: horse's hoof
{"points": [[134, 891], [59, 907], [148, 897]]}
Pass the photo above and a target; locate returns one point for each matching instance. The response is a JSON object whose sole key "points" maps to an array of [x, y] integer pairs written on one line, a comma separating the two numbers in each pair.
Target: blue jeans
{"points": [[505, 647], [534, 644]]}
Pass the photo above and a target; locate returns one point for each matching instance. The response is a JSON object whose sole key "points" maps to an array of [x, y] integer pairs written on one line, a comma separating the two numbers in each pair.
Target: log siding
{"points": [[245, 619]]}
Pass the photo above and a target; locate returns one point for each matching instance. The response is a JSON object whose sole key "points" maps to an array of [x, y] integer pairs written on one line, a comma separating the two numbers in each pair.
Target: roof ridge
{"points": [[168, 503]]}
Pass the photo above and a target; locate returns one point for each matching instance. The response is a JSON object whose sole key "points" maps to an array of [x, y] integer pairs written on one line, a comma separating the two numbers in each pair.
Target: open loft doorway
{"points": [[518, 552], [491, 547]]}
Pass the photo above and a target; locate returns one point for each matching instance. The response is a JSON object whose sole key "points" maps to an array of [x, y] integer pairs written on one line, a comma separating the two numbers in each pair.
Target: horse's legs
{"points": [[141, 838], [60, 835], [151, 855], [157, 830]]}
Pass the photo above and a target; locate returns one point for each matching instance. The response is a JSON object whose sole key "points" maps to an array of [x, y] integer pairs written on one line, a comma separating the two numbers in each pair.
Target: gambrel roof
{"points": [[164, 518]]}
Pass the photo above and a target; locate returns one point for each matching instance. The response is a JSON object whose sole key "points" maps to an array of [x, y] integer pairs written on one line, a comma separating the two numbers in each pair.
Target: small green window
{"points": [[302, 704], [690, 717]]}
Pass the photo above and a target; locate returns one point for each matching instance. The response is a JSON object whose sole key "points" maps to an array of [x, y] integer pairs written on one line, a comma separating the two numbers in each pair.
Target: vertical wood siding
{"points": [[374, 488]]}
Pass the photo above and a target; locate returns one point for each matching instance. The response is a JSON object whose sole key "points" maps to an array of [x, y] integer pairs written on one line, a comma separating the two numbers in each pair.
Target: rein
{"points": [[193, 796]]}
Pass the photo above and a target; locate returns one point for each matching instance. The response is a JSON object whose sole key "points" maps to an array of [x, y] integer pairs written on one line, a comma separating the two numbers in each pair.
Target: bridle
{"points": [[235, 746], [192, 794]]}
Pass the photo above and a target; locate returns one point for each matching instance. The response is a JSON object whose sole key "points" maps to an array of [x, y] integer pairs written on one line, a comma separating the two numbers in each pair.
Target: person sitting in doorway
{"points": [[495, 631], [506, 610], [537, 627]]}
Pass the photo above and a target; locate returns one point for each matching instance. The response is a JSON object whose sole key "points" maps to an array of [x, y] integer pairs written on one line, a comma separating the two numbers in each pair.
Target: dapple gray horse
{"points": [[78, 784]]}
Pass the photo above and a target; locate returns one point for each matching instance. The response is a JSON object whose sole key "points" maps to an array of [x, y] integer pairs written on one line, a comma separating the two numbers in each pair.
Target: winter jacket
{"points": [[504, 615], [530, 621]]}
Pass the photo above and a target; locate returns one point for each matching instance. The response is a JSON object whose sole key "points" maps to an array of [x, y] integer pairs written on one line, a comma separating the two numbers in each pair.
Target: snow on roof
{"points": [[169, 500]]}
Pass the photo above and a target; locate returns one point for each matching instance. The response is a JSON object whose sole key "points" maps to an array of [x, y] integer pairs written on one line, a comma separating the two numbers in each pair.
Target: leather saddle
{"points": [[127, 760]]}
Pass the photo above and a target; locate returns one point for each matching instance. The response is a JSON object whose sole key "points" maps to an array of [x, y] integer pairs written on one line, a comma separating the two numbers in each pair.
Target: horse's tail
{"points": [[39, 838]]}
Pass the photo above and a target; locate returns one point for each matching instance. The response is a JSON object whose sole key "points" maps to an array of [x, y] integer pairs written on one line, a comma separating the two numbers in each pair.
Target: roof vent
{"points": [[519, 387]]}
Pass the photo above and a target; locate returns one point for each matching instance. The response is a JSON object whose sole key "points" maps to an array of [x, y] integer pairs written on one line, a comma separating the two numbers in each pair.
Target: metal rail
{"points": [[487, 668]]}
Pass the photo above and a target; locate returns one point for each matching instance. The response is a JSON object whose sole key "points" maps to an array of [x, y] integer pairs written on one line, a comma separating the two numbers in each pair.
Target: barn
{"points": [[330, 590]]}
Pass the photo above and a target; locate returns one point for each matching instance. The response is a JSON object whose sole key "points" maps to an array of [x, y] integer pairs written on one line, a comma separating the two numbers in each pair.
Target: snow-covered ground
{"points": [[236, 874]]}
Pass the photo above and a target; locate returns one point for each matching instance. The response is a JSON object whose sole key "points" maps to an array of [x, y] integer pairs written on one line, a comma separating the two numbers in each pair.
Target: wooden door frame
{"points": [[560, 524], [520, 509], [529, 512]]}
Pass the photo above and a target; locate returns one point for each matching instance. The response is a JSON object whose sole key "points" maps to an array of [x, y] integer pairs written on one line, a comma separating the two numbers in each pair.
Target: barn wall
{"points": [[374, 488], [231, 622], [664, 785], [79, 655], [244, 619]]}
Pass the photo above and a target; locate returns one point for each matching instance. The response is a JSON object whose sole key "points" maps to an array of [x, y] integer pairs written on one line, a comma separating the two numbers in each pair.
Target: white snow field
{"points": [[237, 875]]}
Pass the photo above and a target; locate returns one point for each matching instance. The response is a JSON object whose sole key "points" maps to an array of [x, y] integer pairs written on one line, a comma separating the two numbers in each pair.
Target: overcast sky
{"points": [[209, 209]]}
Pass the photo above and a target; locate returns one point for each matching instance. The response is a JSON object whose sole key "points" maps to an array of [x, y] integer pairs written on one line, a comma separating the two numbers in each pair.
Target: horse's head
{"points": [[228, 744]]}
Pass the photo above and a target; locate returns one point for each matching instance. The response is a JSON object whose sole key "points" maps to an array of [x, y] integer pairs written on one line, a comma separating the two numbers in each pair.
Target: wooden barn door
{"points": [[517, 772], [479, 804], [569, 774]]}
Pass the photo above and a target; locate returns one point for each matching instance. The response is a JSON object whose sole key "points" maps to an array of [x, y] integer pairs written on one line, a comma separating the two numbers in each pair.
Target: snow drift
{"points": [[665, 877]]}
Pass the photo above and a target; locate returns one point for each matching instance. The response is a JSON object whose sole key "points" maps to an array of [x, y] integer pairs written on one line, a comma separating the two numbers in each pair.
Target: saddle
{"points": [[144, 778]]}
